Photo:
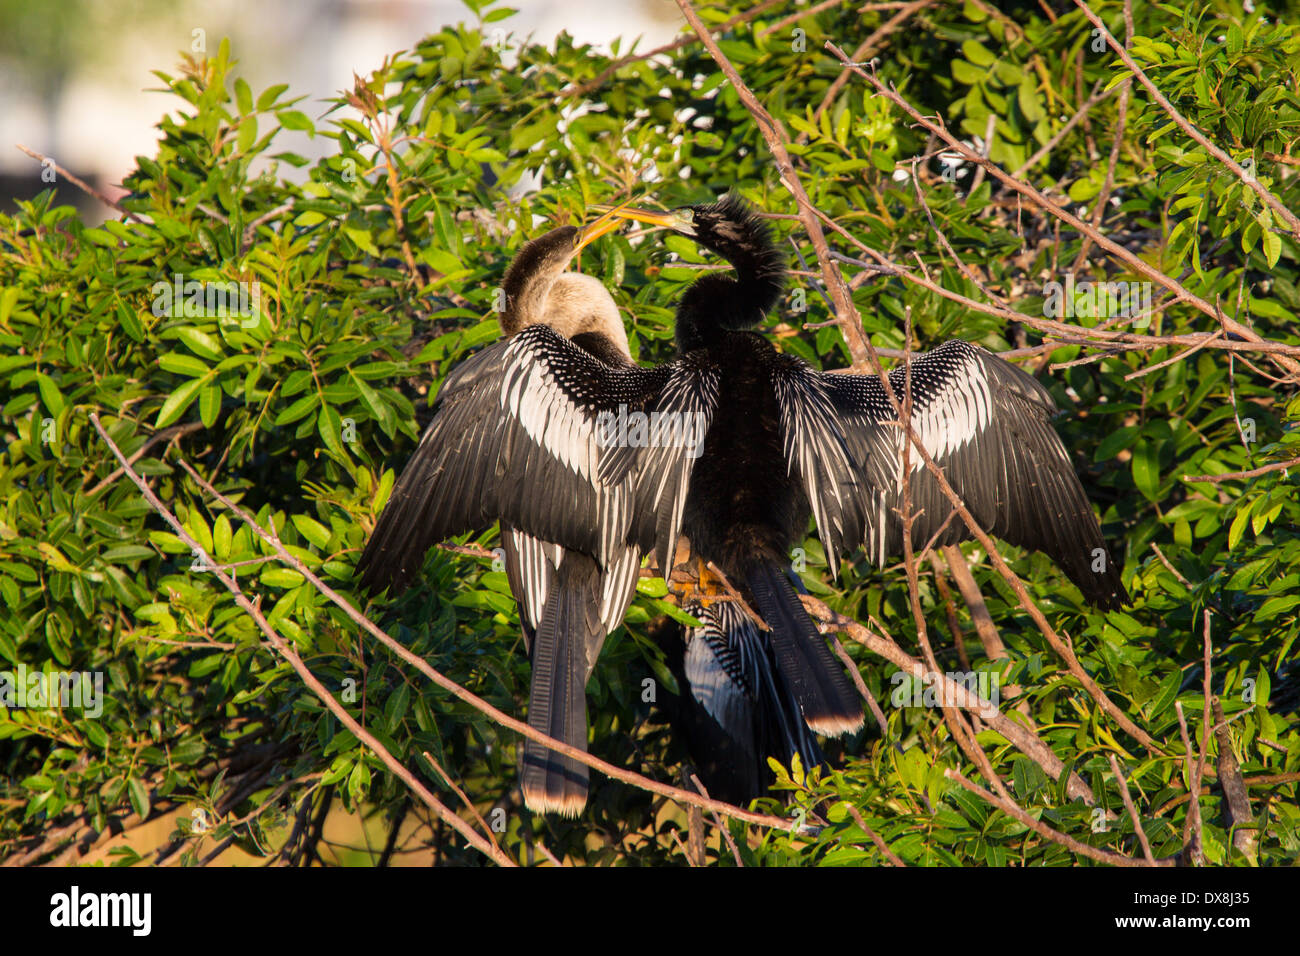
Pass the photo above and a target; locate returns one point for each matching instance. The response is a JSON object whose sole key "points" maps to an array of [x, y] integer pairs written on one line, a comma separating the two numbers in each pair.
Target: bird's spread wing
{"points": [[658, 449], [987, 424], [525, 432], [813, 440]]}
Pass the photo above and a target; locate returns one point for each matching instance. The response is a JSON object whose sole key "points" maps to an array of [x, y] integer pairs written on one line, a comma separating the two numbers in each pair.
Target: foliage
{"points": [[377, 270]]}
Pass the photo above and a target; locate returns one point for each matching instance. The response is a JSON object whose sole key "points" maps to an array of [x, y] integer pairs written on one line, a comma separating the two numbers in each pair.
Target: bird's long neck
{"points": [[577, 306], [525, 299], [717, 304], [580, 305]]}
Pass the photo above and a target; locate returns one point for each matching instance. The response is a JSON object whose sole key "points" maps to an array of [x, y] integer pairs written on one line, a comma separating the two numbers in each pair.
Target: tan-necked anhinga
{"points": [[785, 438], [568, 601]]}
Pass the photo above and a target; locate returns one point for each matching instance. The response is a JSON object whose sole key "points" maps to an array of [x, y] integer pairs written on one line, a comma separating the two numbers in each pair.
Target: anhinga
{"points": [[785, 438], [568, 602]]}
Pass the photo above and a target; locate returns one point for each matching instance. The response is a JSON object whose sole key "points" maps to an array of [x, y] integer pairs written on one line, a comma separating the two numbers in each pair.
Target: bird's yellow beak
{"points": [[599, 227], [678, 220]]}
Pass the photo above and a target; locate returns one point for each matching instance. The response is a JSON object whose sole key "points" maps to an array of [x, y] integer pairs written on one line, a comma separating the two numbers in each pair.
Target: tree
{"points": [[1137, 251]]}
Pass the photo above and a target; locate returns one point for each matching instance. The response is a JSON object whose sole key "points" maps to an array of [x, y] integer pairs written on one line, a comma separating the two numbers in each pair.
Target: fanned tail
{"points": [[743, 709]]}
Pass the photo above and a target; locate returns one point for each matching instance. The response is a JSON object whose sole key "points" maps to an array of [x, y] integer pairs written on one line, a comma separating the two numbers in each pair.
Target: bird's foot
{"points": [[711, 586]]}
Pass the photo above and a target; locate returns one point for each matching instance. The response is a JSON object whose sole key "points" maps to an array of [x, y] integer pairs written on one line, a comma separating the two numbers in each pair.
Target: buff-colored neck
{"points": [[574, 303]]}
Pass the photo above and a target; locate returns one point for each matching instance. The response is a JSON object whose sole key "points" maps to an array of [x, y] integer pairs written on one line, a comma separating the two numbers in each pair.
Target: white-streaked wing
{"points": [[516, 437], [987, 425]]}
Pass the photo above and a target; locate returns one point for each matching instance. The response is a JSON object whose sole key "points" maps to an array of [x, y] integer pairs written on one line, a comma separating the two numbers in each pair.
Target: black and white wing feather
{"points": [[517, 437], [659, 459], [987, 424], [815, 448]]}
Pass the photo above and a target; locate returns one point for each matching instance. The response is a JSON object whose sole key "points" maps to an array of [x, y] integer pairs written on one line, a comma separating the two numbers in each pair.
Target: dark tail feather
{"points": [[557, 704], [829, 702], [782, 724], [745, 710]]}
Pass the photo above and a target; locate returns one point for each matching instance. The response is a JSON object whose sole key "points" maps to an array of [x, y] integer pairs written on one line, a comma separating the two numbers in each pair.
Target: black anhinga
{"points": [[785, 438], [568, 602]]}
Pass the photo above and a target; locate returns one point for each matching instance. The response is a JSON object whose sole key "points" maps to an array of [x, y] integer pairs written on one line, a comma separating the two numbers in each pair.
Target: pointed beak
{"points": [[678, 220], [597, 228]]}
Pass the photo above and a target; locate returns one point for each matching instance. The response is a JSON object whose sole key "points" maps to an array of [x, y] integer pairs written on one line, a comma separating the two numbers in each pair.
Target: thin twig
{"points": [[487, 830], [80, 184], [1132, 810], [1192, 841], [1253, 473], [873, 836], [167, 435], [735, 853], [313, 683]]}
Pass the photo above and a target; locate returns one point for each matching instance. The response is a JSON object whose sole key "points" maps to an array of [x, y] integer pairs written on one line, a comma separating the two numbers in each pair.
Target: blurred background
{"points": [[75, 75]]}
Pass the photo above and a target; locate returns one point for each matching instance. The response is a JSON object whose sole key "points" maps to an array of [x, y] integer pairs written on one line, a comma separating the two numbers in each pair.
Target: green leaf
{"points": [[1276, 605], [362, 238], [293, 119], [1236, 42], [247, 134], [652, 587], [975, 51], [313, 531], [674, 612], [180, 364], [1272, 247], [243, 96], [330, 426], [209, 405], [51, 397], [299, 409], [177, 402], [1146, 469], [139, 797], [270, 95], [281, 578], [200, 343], [1238, 526]]}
